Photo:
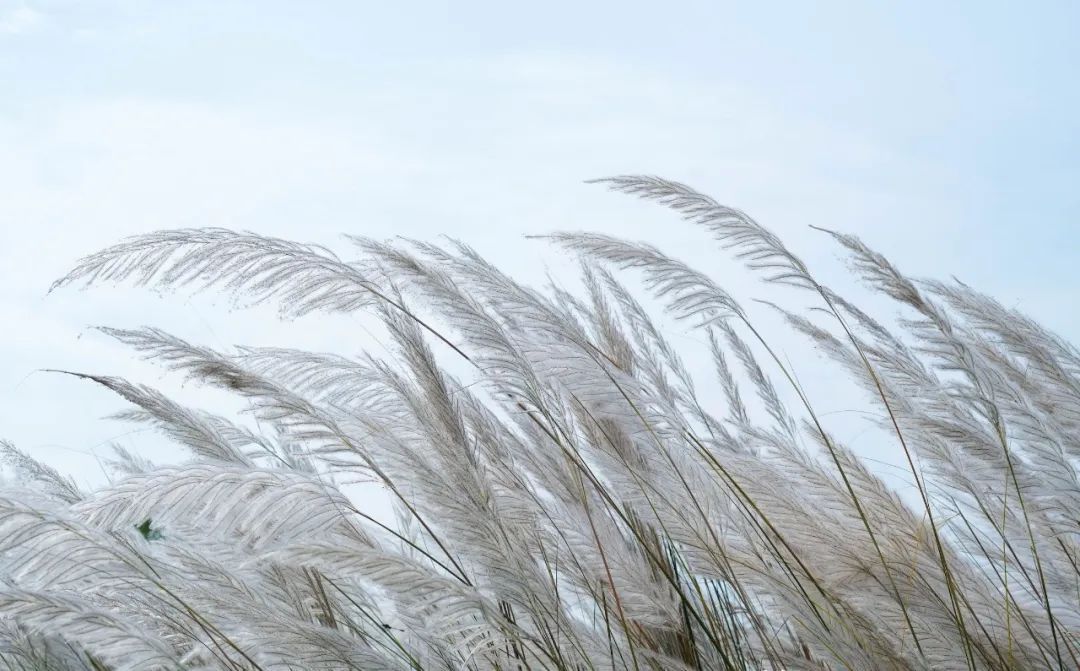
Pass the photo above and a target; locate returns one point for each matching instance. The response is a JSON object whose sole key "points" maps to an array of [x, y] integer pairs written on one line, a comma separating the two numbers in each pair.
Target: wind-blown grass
{"points": [[579, 507]]}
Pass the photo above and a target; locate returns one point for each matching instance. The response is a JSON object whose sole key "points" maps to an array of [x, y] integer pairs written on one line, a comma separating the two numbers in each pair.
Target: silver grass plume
{"points": [[576, 504]]}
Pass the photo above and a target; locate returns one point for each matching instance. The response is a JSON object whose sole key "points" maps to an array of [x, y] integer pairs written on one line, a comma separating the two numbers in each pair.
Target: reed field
{"points": [[573, 503]]}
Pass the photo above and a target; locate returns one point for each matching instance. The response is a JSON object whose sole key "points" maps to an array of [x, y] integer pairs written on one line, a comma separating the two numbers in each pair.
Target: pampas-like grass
{"points": [[580, 508]]}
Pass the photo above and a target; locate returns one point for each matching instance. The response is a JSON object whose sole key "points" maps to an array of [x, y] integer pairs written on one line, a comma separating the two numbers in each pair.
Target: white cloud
{"points": [[19, 19]]}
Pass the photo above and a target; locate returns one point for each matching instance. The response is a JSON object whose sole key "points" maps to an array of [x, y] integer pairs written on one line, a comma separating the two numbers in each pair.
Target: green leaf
{"points": [[147, 532]]}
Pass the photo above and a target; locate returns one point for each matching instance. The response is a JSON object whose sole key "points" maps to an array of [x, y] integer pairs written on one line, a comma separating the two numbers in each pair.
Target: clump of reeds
{"points": [[579, 507]]}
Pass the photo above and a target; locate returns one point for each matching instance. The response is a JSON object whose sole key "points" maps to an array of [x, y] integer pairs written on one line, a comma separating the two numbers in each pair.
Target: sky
{"points": [[944, 134]]}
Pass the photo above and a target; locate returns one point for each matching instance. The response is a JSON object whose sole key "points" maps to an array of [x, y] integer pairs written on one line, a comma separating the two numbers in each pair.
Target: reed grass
{"points": [[574, 504]]}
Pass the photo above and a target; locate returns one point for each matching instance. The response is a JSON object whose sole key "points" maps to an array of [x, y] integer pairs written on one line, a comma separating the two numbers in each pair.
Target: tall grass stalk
{"points": [[576, 504]]}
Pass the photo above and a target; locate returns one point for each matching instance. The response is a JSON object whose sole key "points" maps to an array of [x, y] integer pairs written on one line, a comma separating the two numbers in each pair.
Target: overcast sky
{"points": [[945, 134]]}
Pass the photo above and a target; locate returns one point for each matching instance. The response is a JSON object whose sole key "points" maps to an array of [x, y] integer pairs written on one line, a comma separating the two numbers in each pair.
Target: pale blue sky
{"points": [[946, 134]]}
